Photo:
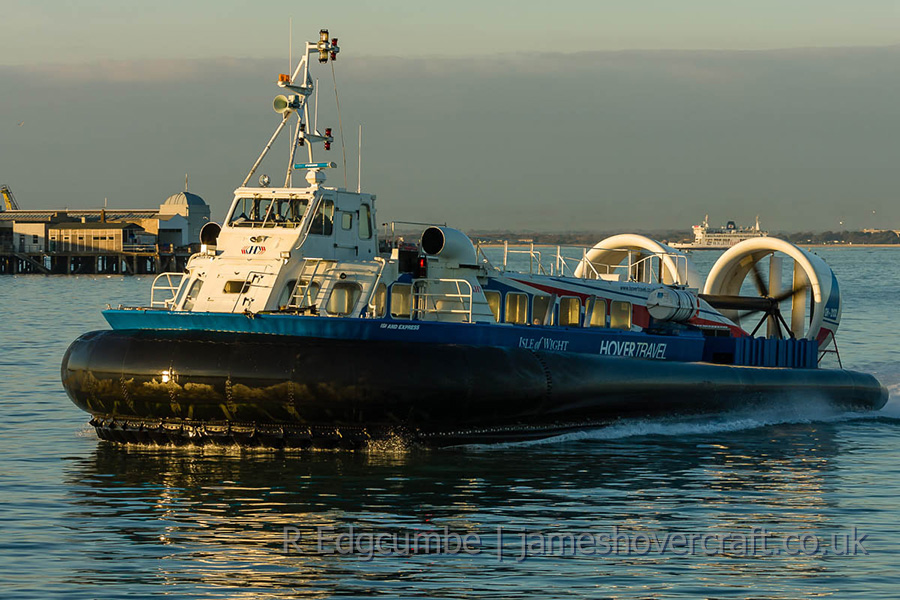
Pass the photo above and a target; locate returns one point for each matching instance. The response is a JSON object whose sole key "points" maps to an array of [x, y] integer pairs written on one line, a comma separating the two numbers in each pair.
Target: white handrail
{"points": [[420, 298], [375, 283], [252, 279], [567, 265], [170, 287], [534, 256]]}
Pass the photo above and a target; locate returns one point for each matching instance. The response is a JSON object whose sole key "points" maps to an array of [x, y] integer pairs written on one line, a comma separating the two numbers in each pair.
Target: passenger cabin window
{"points": [[182, 290], [192, 294], [401, 304], [620, 315], [380, 300], [569, 312], [540, 305], [323, 222], [365, 222], [493, 300], [516, 308], [236, 287], [597, 312], [343, 298], [268, 212], [346, 220], [307, 293], [285, 298]]}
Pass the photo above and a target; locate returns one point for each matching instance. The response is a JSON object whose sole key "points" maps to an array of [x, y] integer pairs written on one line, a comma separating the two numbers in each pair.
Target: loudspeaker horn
{"points": [[281, 104]]}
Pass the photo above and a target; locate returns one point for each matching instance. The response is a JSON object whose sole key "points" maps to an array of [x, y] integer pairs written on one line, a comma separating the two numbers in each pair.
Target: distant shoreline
{"points": [[827, 239], [547, 245], [850, 245], [842, 246]]}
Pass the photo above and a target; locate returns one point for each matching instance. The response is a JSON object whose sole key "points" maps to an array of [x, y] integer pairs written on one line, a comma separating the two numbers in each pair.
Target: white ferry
{"points": [[720, 238], [298, 325]]}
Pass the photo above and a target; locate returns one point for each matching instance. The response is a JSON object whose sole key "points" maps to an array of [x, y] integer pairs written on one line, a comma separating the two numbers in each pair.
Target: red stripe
{"points": [[557, 291]]}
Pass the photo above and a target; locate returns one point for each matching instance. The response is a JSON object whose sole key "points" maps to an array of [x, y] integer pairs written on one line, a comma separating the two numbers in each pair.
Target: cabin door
{"points": [[254, 292], [346, 238]]}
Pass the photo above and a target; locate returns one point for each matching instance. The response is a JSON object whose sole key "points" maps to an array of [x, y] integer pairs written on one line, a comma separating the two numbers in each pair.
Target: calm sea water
{"points": [[80, 518]]}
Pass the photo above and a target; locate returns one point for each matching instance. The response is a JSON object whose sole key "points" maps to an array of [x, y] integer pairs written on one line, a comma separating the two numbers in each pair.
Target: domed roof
{"points": [[182, 198]]}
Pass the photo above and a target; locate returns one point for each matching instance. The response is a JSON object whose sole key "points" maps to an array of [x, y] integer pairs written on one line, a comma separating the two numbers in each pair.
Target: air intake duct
{"points": [[450, 244]]}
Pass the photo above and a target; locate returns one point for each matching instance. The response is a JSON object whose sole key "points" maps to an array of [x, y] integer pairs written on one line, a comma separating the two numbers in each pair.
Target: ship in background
{"points": [[720, 238]]}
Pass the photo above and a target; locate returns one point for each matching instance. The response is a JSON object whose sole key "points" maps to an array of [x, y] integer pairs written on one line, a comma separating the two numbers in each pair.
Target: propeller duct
{"points": [[813, 293]]}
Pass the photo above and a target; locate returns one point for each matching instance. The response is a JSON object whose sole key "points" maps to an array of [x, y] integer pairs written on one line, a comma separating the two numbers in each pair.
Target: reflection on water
{"points": [[214, 520]]}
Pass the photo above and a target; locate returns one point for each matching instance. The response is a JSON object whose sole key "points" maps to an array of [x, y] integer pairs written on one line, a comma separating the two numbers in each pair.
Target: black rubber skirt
{"points": [[177, 387]]}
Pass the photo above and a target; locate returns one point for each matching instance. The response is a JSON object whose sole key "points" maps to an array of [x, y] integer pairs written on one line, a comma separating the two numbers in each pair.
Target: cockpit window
{"points": [[192, 294], [323, 221], [365, 222], [268, 212]]}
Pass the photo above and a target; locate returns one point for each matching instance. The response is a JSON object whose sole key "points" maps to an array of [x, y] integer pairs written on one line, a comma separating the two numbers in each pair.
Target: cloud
{"points": [[540, 141], [135, 71]]}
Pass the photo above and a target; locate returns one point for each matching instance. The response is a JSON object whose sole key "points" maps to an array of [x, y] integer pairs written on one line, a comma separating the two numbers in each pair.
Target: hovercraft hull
{"points": [[215, 387]]}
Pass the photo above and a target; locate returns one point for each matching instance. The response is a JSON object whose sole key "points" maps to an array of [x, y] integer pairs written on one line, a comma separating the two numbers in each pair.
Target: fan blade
{"points": [[749, 304], [790, 293], [762, 288]]}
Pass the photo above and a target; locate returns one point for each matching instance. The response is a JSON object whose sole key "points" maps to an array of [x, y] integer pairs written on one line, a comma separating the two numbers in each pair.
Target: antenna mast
{"points": [[359, 162], [300, 86]]}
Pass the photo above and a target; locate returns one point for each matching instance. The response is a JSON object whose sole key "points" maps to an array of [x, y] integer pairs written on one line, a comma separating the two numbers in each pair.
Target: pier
{"points": [[136, 262], [104, 241]]}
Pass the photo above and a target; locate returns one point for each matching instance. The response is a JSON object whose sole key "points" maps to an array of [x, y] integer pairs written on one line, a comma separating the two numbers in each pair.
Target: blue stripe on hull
{"points": [[685, 347]]}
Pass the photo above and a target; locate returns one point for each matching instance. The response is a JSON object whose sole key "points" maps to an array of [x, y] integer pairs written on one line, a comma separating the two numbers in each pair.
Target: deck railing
{"points": [[132, 248], [441, 302], [166, 284], [565, 262]]}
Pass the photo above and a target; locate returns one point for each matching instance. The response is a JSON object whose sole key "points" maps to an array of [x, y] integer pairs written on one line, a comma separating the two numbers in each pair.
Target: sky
{"points": [[570, 115]]}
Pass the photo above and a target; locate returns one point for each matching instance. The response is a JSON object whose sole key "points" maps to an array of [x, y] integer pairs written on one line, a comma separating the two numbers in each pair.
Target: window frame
{"points": [[520, 297], [242, 286], [488, 294], [630, 320], [379, 308], [367, 220], [394, 290], [354, 297], [591, 309], [192, 294], [326, 226], [284, 299], [566, 299], [548, 310]]}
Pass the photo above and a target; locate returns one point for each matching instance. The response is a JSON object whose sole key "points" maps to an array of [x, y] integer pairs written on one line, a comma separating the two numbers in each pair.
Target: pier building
{"points": [[103, 240]]}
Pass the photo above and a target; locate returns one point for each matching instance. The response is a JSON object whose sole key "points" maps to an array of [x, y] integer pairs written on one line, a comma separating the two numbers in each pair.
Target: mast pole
{"points": [[359, 163], [290, 167], [265, 150], [298, 102]]}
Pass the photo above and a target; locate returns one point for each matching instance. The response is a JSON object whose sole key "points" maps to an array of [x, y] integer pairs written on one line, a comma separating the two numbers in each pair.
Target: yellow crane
{"points": [[9, 201]]}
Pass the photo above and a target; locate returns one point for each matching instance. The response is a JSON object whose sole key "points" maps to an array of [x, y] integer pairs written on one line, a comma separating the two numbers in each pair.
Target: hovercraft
{"points": [[298, 325]]}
